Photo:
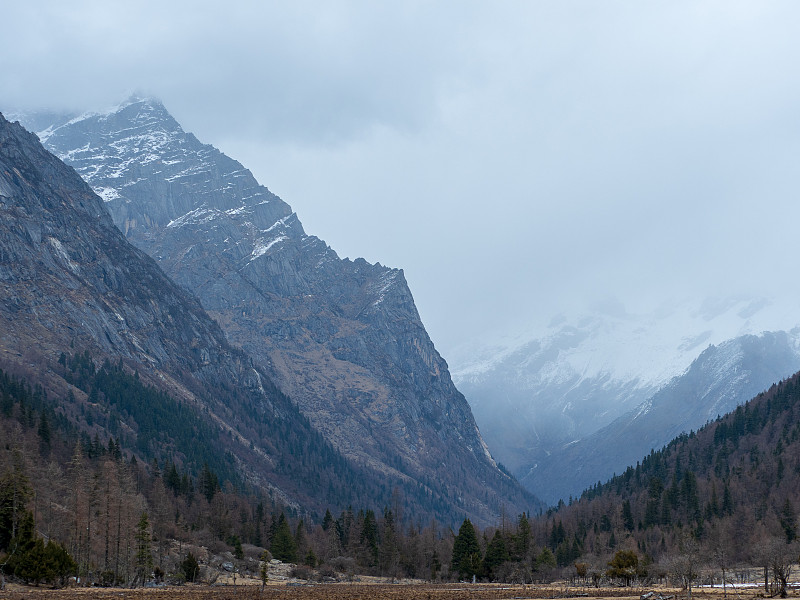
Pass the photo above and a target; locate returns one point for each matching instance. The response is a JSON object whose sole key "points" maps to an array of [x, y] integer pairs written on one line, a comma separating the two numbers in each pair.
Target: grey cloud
{"points": [[512, 157]]}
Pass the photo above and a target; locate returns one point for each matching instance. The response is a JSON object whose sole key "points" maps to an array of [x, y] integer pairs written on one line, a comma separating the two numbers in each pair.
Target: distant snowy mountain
{"points": [[536, 396], [719, 380]]}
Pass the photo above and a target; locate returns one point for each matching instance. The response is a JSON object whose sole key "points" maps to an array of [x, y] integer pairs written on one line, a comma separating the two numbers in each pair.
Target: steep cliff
{"points": [[71, 284], [342, 338]]}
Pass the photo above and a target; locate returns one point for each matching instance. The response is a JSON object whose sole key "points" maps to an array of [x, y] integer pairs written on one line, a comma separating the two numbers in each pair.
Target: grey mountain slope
{"points": [[69, 241], [537, 393], [70, 282], [342, 338], [720, 379]]}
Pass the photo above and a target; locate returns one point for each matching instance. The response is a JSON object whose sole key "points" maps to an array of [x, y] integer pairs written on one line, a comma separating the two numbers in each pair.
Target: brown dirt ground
{"points": [[362, 591]]}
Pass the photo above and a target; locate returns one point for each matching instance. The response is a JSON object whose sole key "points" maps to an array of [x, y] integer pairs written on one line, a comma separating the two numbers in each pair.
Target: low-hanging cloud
{"points": [[513, 158]]}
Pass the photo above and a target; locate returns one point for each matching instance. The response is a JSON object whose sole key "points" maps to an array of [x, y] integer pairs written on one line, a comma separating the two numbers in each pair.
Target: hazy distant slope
{"points": [[719, 380], [539, 398], [731, 487]]}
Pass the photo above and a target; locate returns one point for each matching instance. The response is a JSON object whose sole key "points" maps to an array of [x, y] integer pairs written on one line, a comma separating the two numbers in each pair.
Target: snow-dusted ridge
{"points": [[540, 392], [650, 347], [262, 246]]}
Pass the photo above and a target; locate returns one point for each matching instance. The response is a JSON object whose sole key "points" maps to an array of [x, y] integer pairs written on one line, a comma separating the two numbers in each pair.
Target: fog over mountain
{"points": [[588, 395], [516, 161]]}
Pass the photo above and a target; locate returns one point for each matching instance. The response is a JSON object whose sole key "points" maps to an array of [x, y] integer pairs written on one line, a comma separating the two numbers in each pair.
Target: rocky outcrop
{"points": [[63, 256], [342, 338]]}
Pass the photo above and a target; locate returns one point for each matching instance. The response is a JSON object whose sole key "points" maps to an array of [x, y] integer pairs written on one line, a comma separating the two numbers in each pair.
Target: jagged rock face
{"points": [[63, 256], [69, 279], [70, 282], [342, 338]]}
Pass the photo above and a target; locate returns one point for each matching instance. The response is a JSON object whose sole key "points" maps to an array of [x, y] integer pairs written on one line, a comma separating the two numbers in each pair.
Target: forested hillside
{"points": [[729, 491], [96, 500], [722, 498]]}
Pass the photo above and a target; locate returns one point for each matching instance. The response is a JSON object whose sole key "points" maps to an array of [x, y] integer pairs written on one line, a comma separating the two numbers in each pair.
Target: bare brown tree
{"points": [[685, 565], [778, 557]]}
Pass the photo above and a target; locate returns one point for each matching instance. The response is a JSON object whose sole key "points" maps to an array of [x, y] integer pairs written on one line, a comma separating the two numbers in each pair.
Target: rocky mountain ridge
{"points": [[342, 338], [70, 283]]}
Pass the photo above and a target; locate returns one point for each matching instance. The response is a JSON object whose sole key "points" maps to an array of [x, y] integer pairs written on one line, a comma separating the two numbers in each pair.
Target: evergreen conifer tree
{"points": [[144, 556], [283, 545], [466, 551], [496, 554], [190, 567]]}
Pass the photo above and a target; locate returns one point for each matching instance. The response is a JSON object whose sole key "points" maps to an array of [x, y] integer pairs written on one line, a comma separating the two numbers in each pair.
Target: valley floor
{"points": [[366, 591]]}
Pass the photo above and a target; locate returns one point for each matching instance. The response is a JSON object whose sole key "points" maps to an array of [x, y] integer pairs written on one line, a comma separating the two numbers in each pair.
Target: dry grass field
{"points": [[361, 591]]}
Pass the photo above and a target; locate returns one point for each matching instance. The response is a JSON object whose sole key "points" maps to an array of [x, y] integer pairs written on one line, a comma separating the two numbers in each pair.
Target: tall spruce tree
{"points": [[144, 555], [496, 554], [283, 546], [466, 551]]}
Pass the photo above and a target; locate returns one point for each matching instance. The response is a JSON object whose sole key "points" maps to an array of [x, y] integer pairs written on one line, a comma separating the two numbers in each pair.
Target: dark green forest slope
{"points": [[730, 490]]}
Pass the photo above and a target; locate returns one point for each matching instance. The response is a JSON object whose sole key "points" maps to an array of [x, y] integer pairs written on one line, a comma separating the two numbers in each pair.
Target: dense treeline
{"points": [[91, 492], [101, 502], [144, 419], [92, 495], [79, 504], [154, 425]]}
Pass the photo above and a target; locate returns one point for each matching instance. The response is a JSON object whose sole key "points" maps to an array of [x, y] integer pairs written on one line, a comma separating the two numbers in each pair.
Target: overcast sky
{"points": [[514, 158]]}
